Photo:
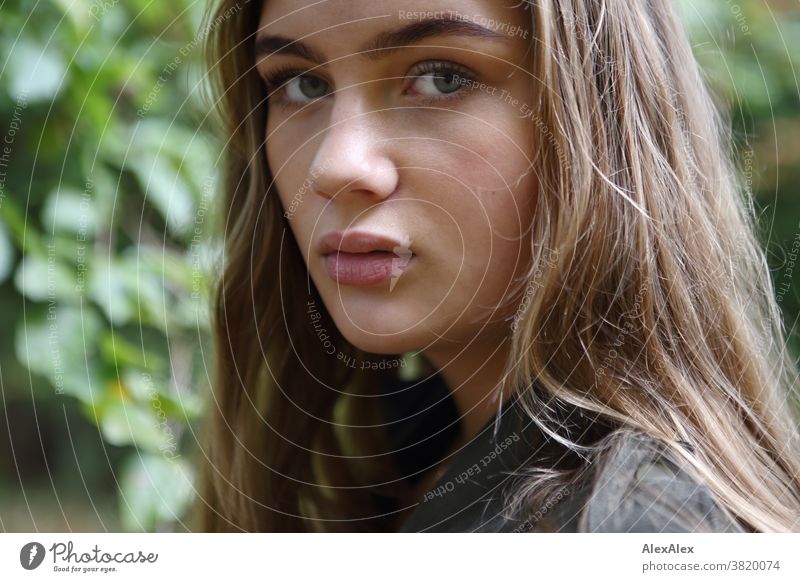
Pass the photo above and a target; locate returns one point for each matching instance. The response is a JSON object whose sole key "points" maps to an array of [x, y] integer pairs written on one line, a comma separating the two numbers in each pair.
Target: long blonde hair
{"points": [[648, 305]]}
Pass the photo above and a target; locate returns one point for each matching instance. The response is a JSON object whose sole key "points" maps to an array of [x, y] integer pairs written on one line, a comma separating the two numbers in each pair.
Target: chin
{"points": [[386, 348], [381, 340]]}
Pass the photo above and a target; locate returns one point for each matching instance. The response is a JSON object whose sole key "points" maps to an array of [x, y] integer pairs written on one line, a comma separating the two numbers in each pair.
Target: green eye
{"points": [[441, 80], [446, 82], [438, 83], [305, 87]]}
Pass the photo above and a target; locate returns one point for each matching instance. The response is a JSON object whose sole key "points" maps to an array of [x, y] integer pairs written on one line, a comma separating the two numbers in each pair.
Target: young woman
{"points": [[488, 268]]}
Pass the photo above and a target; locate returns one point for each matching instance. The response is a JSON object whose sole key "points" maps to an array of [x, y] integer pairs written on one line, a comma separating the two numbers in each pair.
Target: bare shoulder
{"points": [[638, 487]]}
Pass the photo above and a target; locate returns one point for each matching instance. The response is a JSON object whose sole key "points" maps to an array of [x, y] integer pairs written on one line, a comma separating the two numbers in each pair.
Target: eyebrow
{"points": [[384, 42]]}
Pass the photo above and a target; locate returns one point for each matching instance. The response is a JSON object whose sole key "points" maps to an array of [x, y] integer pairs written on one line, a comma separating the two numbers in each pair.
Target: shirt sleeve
{"points": [[639, 490]]}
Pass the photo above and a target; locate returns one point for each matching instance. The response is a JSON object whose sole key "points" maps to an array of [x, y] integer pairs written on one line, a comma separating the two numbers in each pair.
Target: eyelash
{"points": [[276, 80], [428, 67]]}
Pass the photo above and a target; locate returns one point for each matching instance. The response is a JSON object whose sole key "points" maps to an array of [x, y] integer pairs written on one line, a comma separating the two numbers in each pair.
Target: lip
{"points": [[356, 242], [362, 258]]}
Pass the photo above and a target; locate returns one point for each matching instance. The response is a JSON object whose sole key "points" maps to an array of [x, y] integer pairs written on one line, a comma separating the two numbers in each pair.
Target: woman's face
{"points": [[405, 126]]}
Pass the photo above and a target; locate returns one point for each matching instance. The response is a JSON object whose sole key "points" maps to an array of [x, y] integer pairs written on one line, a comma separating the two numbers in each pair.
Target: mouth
{"points": [[361, 242], [360, 258]]}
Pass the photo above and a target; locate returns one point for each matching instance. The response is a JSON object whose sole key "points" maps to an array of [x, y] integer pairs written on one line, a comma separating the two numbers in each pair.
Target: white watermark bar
{"points": [[401, 557]]}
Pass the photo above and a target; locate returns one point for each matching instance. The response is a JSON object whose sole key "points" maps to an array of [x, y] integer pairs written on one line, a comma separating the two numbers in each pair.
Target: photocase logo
{"points": [[31, 555], [404, 253]]}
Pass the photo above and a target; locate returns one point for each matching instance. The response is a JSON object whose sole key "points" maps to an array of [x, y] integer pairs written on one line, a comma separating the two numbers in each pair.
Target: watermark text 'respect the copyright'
{"points": [[490, 23]]}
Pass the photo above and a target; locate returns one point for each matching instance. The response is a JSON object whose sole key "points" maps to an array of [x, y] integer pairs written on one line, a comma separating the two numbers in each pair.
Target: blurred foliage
{"points": [[106, 246], [750, 53], [105, 235]]}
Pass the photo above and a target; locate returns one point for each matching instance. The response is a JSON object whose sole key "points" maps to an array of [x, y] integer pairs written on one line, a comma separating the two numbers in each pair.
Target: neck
{"points": [[474, 376]]}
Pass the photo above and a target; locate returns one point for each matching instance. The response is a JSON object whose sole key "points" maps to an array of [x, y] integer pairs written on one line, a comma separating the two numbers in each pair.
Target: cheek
{"points": [[488, 186], [488, 154], [286, 160], [505, 182], [491, 197], [297, 202], [282, 168], [289, 170]]}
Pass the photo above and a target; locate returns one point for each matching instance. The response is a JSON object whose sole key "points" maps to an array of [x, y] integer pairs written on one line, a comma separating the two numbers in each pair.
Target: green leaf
{"points": [[155, 392], [23, 234], [154, 490], [61, 347], [127, 422], [103, 186], [46, 278], [34, 73], [167, 191], [140, 385], [80, 12], [109, 288], [71, 211], [115, 348]]}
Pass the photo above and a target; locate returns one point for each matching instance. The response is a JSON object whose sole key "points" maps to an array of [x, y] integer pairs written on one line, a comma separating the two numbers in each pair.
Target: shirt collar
{"points": [[470, 494]]}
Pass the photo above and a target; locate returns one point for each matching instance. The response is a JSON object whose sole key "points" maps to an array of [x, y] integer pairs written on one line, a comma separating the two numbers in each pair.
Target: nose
{"points": [[353, 158]]}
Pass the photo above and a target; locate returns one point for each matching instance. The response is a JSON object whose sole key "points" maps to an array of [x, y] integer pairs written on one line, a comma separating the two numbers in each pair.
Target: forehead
{"points": [[345, 24]]}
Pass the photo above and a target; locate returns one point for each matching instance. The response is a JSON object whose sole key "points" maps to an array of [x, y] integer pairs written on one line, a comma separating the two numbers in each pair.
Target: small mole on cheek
{"points": [[484, 192]]}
